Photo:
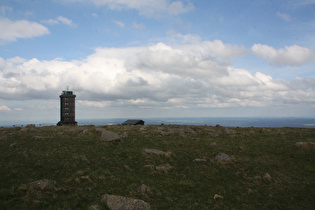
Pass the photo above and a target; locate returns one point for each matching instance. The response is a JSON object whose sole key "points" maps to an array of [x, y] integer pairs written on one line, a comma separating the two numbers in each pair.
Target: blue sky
{"points": [[157, 58]]}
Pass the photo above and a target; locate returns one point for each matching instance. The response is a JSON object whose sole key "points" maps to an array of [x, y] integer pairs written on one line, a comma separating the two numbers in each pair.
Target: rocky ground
{"points": [[157, 167]]}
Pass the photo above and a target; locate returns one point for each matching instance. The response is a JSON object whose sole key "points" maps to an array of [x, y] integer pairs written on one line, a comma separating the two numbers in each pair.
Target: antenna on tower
{"points": [[67, 88]]}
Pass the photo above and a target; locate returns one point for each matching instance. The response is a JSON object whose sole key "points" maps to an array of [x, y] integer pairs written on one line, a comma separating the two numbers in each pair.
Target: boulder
{"points": [[265, 176], [213, 144], [3, 138], [228, 131], [148, 166], [40, 185], [143, 189], [124, 135], [305, 144], [222, 157], [187, 131], [216, 196], [13, 144], [116, 202], [157, 152], [214, 135], [22, 187], [200, 160], [281, 132], [143, 128], [109, 136], [165, 167], [86, 132]]}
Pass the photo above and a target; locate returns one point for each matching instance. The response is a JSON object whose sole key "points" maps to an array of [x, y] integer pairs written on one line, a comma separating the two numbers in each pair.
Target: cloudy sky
{"points": [[157, 58]]}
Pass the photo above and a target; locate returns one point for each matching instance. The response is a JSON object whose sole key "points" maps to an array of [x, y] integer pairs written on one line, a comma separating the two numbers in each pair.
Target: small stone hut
{"points": [[133, 122]]}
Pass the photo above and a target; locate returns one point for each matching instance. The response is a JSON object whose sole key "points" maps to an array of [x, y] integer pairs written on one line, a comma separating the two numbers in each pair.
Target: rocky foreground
{"points": [[157, 167]]}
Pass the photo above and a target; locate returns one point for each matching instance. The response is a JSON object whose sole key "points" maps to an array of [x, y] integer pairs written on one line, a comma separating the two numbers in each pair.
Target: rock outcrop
{"points": [[157, 152], [143, 189], [200, 160], [40, 185], [222, 157], [184, 132], [116, 202], [265, 175], [109, 136], [305, 144], [165, 167]]}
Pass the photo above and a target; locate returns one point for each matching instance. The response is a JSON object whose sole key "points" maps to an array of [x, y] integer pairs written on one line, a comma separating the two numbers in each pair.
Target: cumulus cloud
{"points": [[216, 48], [98, 104], [225, 50], [13, 30], [4, 108], [159, 76], [293, 55], [65, 21], [148, 8], [59, 20]]}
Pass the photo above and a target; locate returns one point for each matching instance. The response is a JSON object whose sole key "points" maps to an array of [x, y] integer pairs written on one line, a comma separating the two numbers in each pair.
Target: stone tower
{"points": [[67, 108]]}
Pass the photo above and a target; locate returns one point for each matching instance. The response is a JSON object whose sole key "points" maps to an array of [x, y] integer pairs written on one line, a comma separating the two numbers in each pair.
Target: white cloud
{"points": [[59, 20], [148, 8], [4, 108], [159, 76], [2, 63], [293, 55], [16, 60], [216, 48], [119, 23], [13, 30], [98, 104], [284, 16], [225, 50], [139, 26], [186, 38], [65, 21], [50, 22]]}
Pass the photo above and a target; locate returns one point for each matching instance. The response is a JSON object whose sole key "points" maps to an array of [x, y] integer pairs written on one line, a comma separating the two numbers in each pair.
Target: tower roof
{"points": [[67, 93]]}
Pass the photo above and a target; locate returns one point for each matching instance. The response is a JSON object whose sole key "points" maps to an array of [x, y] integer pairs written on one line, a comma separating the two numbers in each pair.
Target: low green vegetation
{"points": [[267, 169]]}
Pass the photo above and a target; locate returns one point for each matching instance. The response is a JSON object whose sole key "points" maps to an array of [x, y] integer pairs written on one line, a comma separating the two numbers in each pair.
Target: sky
{"points": [[157, 58]]}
